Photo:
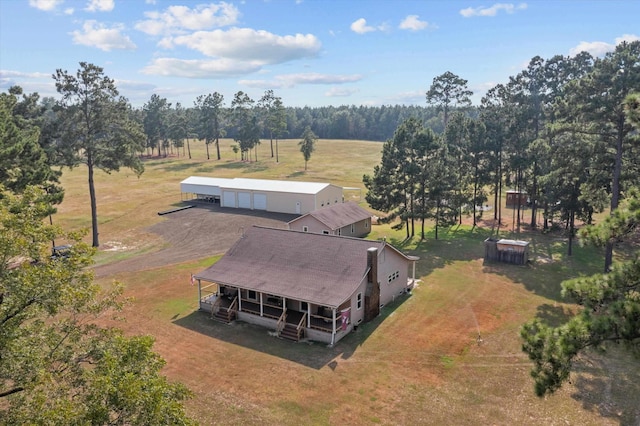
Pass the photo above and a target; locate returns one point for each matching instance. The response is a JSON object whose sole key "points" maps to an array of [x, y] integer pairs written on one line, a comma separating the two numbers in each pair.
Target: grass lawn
{"points": [[447, 354]]}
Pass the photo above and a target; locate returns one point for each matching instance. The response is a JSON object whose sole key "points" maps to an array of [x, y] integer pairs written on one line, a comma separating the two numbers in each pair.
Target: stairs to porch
{"points": [[290, 332], [222, 315]]}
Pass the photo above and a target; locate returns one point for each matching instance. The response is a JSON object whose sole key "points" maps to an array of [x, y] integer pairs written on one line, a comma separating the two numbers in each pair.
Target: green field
{"points": [[420, 362]]}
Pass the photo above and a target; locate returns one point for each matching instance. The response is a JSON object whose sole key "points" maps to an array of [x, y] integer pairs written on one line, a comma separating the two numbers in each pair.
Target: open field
{"points": [[420, 362]]}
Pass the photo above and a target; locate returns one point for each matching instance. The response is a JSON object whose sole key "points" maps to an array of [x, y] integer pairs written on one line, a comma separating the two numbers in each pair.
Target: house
{"points": [[262, 194], [304, 285], [348, 219]]}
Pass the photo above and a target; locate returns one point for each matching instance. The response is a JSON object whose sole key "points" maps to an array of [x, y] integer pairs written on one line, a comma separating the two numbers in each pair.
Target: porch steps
{"points": [[290, 332], [223, 316]]}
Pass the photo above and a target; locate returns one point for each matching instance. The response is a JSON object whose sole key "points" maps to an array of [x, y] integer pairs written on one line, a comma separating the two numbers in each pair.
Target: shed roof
{"points": [[315, 268], [266, 185], [336, 216]]}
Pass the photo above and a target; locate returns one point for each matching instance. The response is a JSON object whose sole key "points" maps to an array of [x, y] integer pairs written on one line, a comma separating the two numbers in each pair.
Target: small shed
{"points": [[507, 251], [513, 197]]}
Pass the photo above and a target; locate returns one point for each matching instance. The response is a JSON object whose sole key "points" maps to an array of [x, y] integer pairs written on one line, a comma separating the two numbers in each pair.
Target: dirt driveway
{"points": [[202, 231]]}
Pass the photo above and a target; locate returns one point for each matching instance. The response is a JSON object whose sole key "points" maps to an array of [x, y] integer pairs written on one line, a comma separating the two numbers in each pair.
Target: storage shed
{"points": [[514, 196], [507, 251], [279, 196]]}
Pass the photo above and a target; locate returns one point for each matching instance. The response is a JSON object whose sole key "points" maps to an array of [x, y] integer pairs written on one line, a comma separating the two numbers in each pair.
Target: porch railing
{"points": [[301, 325], [281, 322], [215, 306]]}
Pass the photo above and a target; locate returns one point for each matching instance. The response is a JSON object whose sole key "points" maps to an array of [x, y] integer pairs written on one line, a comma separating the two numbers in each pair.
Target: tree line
{"points": [[556, 131]]}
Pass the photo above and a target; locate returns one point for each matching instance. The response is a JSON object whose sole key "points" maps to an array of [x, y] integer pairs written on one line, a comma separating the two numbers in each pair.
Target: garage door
{"points": [[260, 201], [244, 200], [229, 199]]}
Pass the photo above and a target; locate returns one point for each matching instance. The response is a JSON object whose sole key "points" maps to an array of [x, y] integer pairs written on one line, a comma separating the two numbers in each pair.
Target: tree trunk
{"points": [[572, 218], [533, 197], [188, 148], [218, 147], [271, 134], [277, 158], [437, 217], [615, 189], [92, 197], [207, 144]]}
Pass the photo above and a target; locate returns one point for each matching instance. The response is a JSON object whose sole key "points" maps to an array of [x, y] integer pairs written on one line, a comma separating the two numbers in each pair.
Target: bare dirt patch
{"points": [[203, 231]]}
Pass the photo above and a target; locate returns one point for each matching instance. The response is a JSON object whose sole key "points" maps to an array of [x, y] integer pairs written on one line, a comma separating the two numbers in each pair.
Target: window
{"points": [[393, 277], [325, 232], [359, 301], [304, 307], [305, 229], [252, 295], [366, 223], [353, 228]]}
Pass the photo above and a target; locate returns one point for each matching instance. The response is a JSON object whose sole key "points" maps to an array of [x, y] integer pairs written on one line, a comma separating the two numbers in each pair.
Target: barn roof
{"points": [[336, 216], [315, 268], [266, 185]]}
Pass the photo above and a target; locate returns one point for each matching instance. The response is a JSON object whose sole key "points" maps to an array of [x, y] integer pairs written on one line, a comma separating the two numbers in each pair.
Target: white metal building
{"points": [[262, 194]]}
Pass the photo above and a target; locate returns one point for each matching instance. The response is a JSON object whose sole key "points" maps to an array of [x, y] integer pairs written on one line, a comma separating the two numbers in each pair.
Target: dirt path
{"points": [[205, 230]]}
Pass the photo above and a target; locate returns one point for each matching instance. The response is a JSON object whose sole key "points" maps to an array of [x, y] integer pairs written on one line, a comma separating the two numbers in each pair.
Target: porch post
{"points": [[199, 292], [239, 300], [284, 304], [333, 322], [413, 278], [308, 315], [261, 307]]}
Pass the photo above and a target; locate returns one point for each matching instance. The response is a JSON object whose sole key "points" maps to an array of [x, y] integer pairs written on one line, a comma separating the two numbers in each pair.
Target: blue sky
{"points": [[309, 52]]}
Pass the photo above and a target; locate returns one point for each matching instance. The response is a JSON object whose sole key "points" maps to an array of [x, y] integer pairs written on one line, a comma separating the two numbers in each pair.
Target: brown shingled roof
{"points": [[337, 216], [315, 268]]}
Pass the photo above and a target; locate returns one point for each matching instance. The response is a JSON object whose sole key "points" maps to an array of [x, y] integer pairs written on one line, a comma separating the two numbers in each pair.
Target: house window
{"points": [[304, 307], [359, 301], [353, 228], [252, 295], [366, 223], [393, 277], [325, 232], [305, 229]]}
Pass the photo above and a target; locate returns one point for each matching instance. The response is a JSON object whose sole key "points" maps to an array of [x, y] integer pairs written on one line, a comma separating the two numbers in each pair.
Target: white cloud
{"points": [[194, 68], [493, 10], [250, 45], [627, 37], [31, 82], [340, 92], [95, 34], [595, 48], [45, 5], [177, 19], [69, 11], [292, 80], [360, 26], [413, 23], [600, 48], [100, 6]]}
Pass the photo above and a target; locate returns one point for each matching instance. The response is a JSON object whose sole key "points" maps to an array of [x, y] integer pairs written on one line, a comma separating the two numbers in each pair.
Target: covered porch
{"points": [[290, 318]]}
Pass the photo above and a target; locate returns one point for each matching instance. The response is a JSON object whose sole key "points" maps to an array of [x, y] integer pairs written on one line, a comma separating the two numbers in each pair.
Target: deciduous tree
{"points": [[56, 365], [307, 145]]}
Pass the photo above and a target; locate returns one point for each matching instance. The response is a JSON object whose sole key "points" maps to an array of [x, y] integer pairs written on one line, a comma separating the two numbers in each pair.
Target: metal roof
{"points": [[266, 185]]}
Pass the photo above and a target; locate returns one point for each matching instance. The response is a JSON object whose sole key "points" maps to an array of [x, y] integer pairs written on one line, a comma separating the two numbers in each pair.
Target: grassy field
{"points": [[420, 362]]}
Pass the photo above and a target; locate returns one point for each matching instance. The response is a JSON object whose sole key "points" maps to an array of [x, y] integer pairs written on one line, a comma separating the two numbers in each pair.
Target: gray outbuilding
{"points": [[279, 196]]}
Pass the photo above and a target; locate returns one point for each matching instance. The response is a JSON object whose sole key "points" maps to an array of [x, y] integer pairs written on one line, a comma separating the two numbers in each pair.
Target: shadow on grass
{"points": [[609, 384], [543, 275], [310, 354], [554, 315]]}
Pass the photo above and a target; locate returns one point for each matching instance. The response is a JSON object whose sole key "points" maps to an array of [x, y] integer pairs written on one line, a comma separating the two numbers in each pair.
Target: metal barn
{"points": [[261, 194]]}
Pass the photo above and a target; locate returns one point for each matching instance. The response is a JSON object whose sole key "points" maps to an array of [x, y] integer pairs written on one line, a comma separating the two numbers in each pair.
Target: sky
{"points": [[309, 52]]}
